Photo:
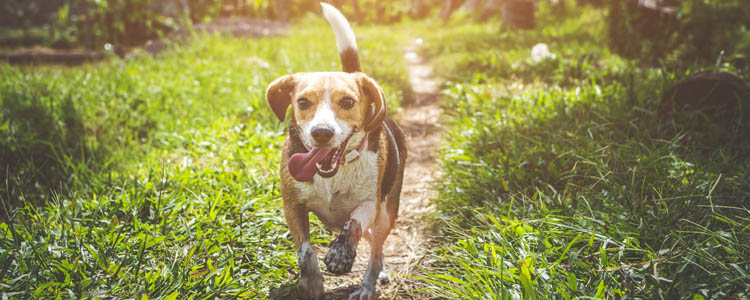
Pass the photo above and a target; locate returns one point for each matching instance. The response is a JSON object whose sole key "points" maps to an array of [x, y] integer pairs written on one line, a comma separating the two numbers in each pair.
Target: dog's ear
{"points": [[279, 95], [376, 97]]}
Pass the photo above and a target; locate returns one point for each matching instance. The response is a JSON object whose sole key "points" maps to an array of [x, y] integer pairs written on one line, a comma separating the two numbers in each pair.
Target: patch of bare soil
{"points": [[237, 27], [406, 247], [45, 55]]}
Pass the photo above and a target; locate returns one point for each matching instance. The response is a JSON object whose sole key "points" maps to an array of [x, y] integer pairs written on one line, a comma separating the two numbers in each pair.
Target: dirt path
{"points": [[405, 248]]}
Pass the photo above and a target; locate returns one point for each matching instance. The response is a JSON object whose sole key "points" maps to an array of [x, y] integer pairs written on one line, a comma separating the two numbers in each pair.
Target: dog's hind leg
{"points": [[379, 230], [311, 280]]}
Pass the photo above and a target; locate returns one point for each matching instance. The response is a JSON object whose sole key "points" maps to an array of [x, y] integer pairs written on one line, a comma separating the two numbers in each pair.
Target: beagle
{"points": [[343, 160]]}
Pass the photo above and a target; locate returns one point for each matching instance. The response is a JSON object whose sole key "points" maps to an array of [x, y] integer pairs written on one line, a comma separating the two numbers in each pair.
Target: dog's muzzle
{"points": [[323, 161]]}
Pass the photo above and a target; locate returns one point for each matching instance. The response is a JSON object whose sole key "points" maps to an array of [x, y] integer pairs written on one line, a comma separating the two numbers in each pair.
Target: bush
{"points": [[696, 31], [94, 23]]}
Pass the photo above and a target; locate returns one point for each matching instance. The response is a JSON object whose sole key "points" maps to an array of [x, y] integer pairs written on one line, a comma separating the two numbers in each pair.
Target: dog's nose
{"points": [[322, 134]]}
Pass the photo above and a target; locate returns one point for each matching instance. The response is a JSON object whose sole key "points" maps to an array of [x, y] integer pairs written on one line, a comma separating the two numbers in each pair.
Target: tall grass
{"points": [[562, 180], [165, 183]]}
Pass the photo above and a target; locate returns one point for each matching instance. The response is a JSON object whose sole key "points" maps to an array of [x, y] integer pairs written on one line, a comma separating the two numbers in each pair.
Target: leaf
{"points": [[4, 127], [172, 296], [200, 273], [600, 289], [572, 282], [526, 281]]}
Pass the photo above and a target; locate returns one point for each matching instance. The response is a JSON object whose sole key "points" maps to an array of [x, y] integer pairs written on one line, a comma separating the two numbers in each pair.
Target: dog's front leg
{"points": [[343, 249], [380, 230], [311, 280]]}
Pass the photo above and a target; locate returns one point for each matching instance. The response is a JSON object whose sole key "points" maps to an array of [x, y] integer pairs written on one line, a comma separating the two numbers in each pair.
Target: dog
{"points": [[343, 160]]}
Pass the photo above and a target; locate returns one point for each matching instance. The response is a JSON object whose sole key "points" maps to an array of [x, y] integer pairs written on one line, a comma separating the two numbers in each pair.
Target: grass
{"points": [[157, 177], [11, 38], [563, 180]]}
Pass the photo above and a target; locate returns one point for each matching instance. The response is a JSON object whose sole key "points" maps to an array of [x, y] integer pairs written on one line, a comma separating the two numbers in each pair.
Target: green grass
{"points": [[158, 176], [11, 38], [561, 179]]}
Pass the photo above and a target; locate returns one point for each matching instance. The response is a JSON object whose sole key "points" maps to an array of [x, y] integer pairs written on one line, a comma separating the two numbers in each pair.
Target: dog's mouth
{"points": [[330, 163], [324, 161]]}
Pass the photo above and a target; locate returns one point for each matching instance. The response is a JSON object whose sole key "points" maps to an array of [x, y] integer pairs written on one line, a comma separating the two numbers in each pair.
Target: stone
{"points": [[713, 92]]}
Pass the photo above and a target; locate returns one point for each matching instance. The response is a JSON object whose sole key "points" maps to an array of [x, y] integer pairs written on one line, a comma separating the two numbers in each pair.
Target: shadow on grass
{"points": [[43, 147], [288, 291], [341, 293]]}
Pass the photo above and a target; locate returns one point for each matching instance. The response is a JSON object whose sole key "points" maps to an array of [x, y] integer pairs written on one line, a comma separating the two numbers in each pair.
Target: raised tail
{"points": [[345, 40]]}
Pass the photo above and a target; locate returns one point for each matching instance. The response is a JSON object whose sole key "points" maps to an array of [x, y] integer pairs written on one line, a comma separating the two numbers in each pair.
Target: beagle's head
{"points": [[331, 110]]}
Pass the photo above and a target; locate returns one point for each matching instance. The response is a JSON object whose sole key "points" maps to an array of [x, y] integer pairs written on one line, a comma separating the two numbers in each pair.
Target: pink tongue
{"points": [[302, 165]]}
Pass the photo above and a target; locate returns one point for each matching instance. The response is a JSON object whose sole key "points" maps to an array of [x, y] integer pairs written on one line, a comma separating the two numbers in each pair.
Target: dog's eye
{"points": [[346, 103], [303, 103]]}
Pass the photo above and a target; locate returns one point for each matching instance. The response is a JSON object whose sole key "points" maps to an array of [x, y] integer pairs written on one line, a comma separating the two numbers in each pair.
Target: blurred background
{"points": [[653, 29]]}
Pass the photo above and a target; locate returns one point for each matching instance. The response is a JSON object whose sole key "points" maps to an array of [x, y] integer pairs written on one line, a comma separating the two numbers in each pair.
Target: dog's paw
{"points": [[384, 277], [364, 292], [340, 257], [311, 289]]}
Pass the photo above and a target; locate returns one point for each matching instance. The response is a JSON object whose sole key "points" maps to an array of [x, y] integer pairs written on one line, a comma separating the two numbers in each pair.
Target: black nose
{"points": [[322, 134]]}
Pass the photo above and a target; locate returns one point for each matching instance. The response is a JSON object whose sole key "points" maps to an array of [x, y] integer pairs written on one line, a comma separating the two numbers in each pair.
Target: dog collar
{"points": [[354, 153]]}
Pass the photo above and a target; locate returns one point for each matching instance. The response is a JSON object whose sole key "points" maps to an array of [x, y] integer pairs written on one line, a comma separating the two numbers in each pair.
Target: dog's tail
{"points": [[345, 39]]}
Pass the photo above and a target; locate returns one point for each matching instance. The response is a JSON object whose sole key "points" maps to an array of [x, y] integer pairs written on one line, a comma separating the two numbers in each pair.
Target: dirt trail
{"points": [[405, 248]]}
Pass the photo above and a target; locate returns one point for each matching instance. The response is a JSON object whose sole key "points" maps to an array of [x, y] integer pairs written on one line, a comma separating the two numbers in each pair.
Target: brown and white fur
{"points": [[362, 198]]}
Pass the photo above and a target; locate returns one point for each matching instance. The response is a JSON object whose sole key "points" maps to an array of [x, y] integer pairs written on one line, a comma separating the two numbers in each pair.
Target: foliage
{"points": [[494, 51], [117, 22], [185, 202], [561, 180], [127, 23], [697, 31]]}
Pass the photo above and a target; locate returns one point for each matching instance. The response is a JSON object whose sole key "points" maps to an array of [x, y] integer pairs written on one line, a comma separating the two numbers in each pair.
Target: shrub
{"points": [[694, 31]]}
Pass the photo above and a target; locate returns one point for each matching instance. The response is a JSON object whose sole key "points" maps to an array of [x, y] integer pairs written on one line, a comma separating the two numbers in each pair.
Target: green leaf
{"points": [[600, 289], [572, 281], [526, 281], [172, 296]]}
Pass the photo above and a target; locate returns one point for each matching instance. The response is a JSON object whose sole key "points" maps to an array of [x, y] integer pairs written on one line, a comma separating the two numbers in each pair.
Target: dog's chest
{"points": [[333, 199]]}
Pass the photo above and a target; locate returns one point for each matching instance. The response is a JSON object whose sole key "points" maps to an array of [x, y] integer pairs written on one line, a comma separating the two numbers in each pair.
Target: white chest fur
{"points": [[333, 199]]}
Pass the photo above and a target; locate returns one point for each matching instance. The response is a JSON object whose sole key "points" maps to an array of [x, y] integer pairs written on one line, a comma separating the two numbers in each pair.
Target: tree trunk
{"points": [[281, 12], [447, 10], [472, 6], [357, 15], [417, 9]]}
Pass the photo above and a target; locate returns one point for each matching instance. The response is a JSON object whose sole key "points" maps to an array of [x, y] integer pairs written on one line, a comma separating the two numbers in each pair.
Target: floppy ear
{"points": [[279, 95], [376, 97]]}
